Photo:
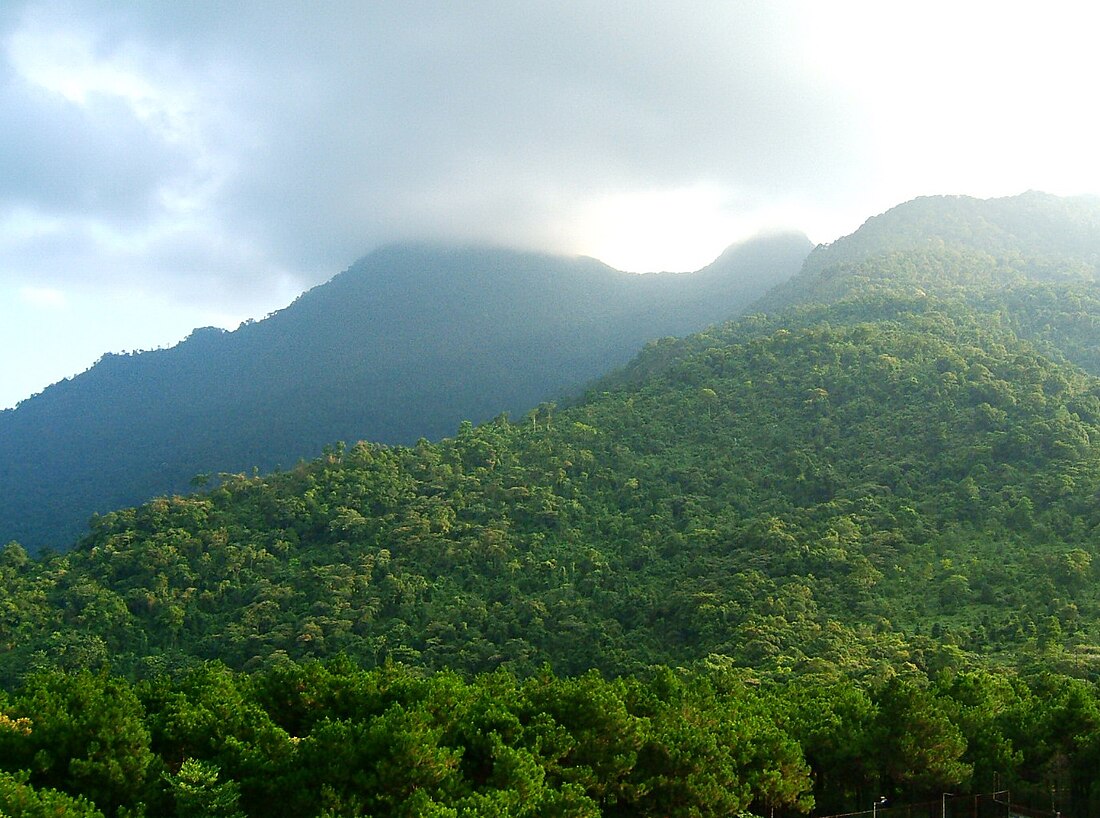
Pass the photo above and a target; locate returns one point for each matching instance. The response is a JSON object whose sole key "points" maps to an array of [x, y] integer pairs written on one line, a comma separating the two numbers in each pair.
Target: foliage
{"points": [[18, 799], [334, 739], [198, 794], [911, 488]]}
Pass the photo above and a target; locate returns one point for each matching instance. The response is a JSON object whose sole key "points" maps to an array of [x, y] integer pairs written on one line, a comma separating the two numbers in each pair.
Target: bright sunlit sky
{"points": [[171, 165]]}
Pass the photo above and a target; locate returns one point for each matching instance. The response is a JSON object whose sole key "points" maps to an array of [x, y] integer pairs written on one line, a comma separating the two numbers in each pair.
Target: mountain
{"points": [[1032, 260], [894, 476], [974, 242], [806, 495], [845, 548], [407, 343]]}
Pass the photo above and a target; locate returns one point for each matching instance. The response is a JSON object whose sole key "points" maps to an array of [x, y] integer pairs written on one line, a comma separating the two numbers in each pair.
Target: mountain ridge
{"points": [[1062, 231], [366, 355]]}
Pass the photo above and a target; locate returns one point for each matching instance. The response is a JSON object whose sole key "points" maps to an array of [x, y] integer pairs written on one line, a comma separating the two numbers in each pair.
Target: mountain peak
{"points": [[761, 251]]}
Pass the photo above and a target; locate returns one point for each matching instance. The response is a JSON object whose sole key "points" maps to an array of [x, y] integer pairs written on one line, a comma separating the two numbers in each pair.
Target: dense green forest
{"points": [[842, 549], [914, 488], [331, 739], [407, 343]]}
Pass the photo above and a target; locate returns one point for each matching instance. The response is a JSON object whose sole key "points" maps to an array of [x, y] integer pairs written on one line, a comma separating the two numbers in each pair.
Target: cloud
{"points": [[43, 297], [286, 140], [61, 158], [220, 157]]}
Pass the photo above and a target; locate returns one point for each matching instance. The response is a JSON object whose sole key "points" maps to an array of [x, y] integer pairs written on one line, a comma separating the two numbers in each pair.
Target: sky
{"points": [[172, 165]]}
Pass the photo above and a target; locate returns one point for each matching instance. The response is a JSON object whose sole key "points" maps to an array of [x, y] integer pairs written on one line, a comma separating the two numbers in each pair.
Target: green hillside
{"points": [[862, 527], [796, 493], [1031, 261], [781, 500]]}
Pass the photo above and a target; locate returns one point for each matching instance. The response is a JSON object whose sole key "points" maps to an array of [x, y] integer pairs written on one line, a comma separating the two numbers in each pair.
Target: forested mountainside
{"points": [[1032, 260], [914, 486], [862, 528], [1032, 236], [406, 344]]}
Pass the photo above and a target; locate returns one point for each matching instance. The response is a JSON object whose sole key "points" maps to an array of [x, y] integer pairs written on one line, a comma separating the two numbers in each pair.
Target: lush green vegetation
{"points": [[1032, 262], [911, 489], [332, 740], [900, 493], [865, 523]]}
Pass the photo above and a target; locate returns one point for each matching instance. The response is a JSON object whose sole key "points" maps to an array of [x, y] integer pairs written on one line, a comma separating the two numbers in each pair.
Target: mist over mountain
{"points": [[1033, 261], [407, 343]]}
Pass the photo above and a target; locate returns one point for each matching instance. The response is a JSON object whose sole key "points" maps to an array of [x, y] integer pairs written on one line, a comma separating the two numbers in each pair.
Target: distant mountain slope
{"points": [[405, 344], [807, 494], [1033, 236], [1032, 260]]}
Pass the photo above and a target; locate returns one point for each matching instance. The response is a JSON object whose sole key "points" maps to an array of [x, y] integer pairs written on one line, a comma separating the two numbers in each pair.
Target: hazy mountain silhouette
{"points": [[407, 343]]}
